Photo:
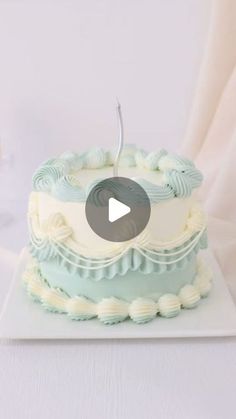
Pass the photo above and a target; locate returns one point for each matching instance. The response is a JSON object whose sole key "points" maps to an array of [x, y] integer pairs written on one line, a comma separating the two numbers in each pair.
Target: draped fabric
{"points": [[211, 135]]}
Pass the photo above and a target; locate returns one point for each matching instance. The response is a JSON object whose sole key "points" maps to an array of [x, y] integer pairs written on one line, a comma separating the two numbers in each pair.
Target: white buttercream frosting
{"points": [[143, 310], [196, 219], [64, 191], [203, 285], [112, 310], [53, 299], [169, 305], [203, 279], [34, 284], [55, 228], [189, 296], [83, 241], [80, 307]]}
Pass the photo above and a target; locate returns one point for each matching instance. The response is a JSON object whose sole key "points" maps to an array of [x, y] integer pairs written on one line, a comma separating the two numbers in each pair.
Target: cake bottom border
{"points": [[112, 310]]}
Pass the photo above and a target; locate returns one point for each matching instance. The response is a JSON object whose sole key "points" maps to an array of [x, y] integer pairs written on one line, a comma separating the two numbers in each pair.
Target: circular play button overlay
{"points": [[117, 209]]}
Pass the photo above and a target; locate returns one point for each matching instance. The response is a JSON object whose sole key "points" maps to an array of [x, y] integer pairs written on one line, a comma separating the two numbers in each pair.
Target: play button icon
{"points": [[117, 209]]}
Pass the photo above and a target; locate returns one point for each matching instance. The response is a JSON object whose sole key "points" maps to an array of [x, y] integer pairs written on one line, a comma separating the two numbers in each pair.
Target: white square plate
{"points": [[22, 318]]}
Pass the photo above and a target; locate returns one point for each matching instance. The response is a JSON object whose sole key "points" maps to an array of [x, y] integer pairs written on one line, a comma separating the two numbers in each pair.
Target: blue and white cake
{"points": [[76, 272]]}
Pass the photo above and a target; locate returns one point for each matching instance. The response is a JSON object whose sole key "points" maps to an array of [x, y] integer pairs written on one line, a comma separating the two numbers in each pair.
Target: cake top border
{"points": [[57, 176]]}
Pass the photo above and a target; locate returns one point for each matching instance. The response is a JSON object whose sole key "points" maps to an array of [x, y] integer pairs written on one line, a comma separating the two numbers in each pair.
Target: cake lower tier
{"points": [[136, 295], [127, 287]]}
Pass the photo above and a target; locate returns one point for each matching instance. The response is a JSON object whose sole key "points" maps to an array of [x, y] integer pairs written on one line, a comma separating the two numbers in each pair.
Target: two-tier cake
{"points": [[76, 272]]}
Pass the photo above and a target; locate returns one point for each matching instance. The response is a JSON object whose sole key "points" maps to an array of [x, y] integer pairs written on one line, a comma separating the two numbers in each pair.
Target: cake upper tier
{"points": [[71, 176]]}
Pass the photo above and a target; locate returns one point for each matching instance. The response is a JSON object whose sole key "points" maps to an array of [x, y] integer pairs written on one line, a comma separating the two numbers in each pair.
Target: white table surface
{"points": [[186, 378]]}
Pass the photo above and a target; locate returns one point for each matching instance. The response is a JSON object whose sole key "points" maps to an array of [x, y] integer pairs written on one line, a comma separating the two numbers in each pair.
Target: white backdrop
{"points": [[61, 66], [64, 63]]}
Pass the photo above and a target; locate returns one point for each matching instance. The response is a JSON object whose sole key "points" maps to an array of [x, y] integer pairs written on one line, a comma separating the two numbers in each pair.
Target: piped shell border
{"points": [[113, 310]]}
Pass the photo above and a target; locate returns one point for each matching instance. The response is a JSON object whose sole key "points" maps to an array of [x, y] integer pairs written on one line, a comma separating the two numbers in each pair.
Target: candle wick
{"points": [[120, 139]]}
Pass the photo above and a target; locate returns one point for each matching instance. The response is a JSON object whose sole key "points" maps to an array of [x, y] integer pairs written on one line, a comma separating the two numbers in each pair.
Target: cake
{"points": [[74, 271]]}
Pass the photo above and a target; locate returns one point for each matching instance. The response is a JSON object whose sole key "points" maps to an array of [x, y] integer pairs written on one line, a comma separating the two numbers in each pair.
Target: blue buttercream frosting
{"points": [[152, 159], [156, 193], [68, 189], [55, 176], [126, 287]]}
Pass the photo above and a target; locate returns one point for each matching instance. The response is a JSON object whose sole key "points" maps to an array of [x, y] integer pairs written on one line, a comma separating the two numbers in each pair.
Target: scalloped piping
{"points": [[132, 261], [113, 310], [56, 241]]}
